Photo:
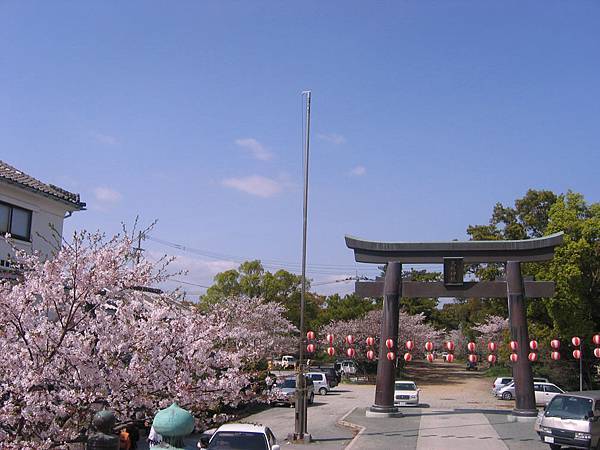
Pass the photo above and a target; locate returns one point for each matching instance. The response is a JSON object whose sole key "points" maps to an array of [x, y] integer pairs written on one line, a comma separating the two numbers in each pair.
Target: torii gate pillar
{"points": [[386, 369], [517, 314]]}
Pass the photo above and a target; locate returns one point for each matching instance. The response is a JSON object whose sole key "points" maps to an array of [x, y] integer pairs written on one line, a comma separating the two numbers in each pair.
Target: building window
{"points": [[16, 221]]}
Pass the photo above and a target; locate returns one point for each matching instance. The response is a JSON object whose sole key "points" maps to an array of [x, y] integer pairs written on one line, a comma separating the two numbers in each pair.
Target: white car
{"points": [[234, 436], [544, 392], [501, 382], [406, 393]]}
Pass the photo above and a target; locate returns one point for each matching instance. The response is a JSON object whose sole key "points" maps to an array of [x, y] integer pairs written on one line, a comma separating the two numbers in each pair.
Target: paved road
{"points": [[457, 411]]}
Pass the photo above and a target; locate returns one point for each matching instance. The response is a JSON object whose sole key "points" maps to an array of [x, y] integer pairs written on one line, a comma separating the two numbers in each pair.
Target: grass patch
{"points": [[498, 371]]}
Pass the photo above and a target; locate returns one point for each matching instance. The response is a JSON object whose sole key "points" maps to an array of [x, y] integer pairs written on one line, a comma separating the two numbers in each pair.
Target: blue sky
{"points": [[424, 115]]}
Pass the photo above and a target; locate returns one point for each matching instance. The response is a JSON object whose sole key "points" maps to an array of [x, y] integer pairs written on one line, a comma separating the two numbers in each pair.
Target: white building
{"points": [[32, 212]]}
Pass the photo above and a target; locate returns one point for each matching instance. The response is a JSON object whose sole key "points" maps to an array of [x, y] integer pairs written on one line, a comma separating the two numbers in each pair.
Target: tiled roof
{"points": [[14, 176]]}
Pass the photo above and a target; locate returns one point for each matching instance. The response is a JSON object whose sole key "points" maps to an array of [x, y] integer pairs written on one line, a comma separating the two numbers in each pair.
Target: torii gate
{"points": [[453, 255]]}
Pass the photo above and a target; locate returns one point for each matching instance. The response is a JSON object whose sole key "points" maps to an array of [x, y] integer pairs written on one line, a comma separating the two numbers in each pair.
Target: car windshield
{"points": [[405, 387], [566, 407], [234, 440], [288, 383]]}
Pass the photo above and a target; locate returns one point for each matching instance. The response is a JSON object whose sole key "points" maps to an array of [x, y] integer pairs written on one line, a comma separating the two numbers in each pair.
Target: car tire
{"points": [[323, 391], [311, 399], [507, 396]]}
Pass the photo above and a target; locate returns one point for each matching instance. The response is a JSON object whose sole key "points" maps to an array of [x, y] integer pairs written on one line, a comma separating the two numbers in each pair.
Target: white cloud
{"points": [[196, 271], [256, 149], [107, 196], [358, 171], [255, 185], [105, 139], [333, 138]]}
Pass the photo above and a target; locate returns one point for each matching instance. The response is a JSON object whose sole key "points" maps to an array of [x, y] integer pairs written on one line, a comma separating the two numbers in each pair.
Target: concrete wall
{"points": [[45, 212]]}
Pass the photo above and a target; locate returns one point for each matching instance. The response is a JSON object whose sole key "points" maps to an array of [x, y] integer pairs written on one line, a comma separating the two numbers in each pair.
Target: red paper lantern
{"points": [[492, 359], [370, 341], [428, 346], [389, 343], [310, 335], [330, 338], [350, 352], [450, 346], [492, 346], [514, 346], [310, 348], [597, 352], [371, 355], [577, 354], [450, 358], [532, 356], [514, 357], [471, 346], [596, 339], [407, 357], [330, 351], [473, 358], [576, 341], [391, 356], [429, 357], [555, 344], [533, 345], [555, 356], [350, 339], [410, 345]]}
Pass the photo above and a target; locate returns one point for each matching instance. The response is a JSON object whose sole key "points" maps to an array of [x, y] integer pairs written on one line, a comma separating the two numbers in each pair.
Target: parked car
{"points": [[406, 393], [320, 382], [544, 392], [286, 362], [333, 376], [346, 367], [571, 419], [510, 388], [242, 436], [500, 382], [285, 391]]}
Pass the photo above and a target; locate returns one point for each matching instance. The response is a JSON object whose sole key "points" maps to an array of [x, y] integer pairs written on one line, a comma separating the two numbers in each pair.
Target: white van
{"points": [[346, 367], [320, 381], [571, 419]]}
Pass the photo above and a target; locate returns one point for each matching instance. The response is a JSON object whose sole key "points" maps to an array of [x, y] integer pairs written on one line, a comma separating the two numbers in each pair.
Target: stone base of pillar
{"points": [[525, 412], [297, 439], [377, 411]]}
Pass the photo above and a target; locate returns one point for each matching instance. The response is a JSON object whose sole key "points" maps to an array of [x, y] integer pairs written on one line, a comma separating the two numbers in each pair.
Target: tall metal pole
{"points": [[301, 400], [581, 370]]}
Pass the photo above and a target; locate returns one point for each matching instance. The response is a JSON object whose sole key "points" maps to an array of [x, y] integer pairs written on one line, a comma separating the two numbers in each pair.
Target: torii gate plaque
{"points": [[453, 255]]}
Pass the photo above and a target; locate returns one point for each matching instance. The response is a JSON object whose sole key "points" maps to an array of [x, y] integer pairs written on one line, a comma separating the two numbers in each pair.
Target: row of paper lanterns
{"points": [[449, 345]]}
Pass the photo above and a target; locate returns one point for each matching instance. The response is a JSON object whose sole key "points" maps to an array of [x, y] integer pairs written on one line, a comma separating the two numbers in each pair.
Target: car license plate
{"points": [[549, 439]]}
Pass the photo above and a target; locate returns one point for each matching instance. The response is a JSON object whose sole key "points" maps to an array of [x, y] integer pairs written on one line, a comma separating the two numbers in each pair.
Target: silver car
{"points": [[507, 391], [321, 384], [284, 391], [544, 392], [571, 419]]}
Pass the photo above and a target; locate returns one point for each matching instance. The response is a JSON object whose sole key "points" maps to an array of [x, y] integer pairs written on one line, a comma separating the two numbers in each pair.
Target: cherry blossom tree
{"points": [[492, 330], [81, 331], [410, 327]]}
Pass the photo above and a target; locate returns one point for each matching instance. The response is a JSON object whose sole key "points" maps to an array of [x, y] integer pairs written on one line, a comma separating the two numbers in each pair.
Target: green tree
{"points": [[345, 308], [252, 280]]}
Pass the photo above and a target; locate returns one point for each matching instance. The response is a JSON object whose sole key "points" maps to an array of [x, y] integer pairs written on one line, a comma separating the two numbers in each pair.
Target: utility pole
{"points": [[138, 249], [300, 432]]}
